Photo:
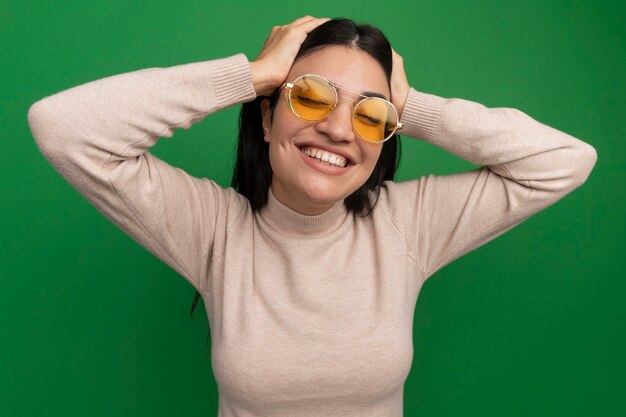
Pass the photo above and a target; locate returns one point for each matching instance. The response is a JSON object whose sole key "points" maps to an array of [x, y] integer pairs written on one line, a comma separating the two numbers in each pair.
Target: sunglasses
{"points": [[312, 98]]}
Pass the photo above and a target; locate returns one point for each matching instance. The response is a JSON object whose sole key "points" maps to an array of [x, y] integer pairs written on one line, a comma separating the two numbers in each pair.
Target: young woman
{"points": [[311, 264]]}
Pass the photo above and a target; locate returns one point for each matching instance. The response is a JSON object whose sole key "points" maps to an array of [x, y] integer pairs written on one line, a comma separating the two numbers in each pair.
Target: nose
{"points": [[338, 124]]}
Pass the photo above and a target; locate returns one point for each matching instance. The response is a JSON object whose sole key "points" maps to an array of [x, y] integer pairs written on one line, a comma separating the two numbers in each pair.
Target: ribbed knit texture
{"points": [[309, 315]]}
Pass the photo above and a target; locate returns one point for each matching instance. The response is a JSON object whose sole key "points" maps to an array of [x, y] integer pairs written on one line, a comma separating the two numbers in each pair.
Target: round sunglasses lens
{"points": [[312, 98], [375, 120]]}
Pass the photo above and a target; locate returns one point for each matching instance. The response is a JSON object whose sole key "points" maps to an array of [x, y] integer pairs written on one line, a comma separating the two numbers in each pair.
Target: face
{"points": [[305, 184]]}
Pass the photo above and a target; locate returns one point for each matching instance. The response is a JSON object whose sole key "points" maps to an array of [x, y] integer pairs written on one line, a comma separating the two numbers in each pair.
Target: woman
{"points": [[310, 267]]}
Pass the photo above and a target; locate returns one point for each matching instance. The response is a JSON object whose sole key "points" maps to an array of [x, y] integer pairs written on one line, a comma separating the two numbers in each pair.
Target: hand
{"points": [[399, 83], [271, 67]]}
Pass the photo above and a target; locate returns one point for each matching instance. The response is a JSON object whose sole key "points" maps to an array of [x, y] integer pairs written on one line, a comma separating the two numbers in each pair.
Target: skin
{"points": [[295, 183]]}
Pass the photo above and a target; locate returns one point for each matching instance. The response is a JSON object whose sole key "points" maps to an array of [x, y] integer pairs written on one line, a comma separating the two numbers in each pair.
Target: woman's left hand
{"points": [[399, 83]]}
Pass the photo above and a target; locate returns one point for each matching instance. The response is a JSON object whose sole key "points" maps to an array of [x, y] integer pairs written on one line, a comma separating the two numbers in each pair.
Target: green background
{"points": [[531, 324]]}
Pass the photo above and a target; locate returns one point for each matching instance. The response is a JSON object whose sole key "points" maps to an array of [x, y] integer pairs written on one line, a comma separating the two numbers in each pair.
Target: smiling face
{"points": [[306, 184]]}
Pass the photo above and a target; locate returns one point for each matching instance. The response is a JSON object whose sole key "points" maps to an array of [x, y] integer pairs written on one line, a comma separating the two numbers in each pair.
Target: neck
{"points": [[289, 222]]}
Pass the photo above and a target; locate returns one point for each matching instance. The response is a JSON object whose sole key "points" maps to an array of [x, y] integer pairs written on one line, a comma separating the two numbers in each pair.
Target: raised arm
{"points": [[528, 166], [97, 136]]}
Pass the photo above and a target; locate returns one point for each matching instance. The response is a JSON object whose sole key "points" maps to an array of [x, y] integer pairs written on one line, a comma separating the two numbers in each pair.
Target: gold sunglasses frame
{"points": [[289, 86]]}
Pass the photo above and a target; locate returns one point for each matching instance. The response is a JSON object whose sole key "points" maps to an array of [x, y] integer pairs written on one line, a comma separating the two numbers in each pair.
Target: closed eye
{"points": [[369, 119], [311, 101]]}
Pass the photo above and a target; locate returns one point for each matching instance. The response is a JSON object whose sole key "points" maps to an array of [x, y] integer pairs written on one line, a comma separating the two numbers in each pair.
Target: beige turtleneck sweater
{"points": [[309, 315]]}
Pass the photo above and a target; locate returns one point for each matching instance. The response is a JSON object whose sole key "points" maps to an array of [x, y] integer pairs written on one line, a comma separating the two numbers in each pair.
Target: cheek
{"points": [[283, 127], [372, 155]]}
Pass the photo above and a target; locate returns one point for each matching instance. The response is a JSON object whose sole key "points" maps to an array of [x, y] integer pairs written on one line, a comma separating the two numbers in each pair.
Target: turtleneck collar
{"points": [[293, 224]]}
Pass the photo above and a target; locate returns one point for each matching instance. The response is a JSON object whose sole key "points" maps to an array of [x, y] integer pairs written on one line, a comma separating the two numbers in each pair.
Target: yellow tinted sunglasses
{"points": [[312, 98]]}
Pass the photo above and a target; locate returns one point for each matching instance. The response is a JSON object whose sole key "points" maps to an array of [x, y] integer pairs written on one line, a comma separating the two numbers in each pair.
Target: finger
{"points": [[302, 19], [312, 24]]}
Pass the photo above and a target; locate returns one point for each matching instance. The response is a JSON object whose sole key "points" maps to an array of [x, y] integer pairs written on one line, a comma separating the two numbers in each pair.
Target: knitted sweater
{"points": [[309, 315]]}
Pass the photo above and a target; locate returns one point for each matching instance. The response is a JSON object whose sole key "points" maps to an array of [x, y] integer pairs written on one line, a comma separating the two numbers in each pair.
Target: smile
{"points": [[324, 161], [325, 157]]}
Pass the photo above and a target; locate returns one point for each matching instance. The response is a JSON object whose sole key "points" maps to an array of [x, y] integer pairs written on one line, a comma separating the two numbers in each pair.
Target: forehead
{"points": [[355, 70]]}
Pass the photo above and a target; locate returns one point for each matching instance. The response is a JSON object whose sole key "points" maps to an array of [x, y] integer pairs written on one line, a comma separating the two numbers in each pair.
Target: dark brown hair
{"points": [[252, 174]]}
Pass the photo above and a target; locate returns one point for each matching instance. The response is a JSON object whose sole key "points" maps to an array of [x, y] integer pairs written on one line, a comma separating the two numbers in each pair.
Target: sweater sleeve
{"points": [[526, 167], [97, 136]]}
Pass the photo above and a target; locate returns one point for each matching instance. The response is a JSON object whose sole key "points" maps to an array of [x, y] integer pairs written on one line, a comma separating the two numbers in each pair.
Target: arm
{"points": [[528, 166], [97, 136]]}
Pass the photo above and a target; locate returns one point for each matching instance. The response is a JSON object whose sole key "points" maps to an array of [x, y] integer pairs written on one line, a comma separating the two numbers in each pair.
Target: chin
{"points": [[324, 196]]}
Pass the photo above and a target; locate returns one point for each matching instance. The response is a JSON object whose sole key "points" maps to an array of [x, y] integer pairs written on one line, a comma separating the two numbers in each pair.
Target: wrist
{"points": [[402, 103], [263, 84]]}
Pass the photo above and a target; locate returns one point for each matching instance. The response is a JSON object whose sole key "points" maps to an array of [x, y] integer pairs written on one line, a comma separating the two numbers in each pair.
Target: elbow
{"points": [[35, 117], [568, 168], [584, 164], [577, 164], [43, 125]]}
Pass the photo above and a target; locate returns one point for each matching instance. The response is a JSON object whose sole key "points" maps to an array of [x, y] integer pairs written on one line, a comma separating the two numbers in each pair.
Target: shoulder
{"points": [[229, 202], [395, 199], [393, 195]]}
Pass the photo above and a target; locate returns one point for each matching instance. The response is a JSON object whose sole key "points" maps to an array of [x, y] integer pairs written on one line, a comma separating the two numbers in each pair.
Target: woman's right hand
{"points": [[270, 68]]}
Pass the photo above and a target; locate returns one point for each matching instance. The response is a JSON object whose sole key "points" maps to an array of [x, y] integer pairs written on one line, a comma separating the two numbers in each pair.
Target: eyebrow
{"points": [[374, 94]]}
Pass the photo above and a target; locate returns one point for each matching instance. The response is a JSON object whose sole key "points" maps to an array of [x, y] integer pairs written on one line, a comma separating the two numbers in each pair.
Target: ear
{"points": [[266, 114]]}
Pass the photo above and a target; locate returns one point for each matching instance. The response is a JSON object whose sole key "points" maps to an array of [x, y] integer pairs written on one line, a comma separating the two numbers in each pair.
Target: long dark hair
{"points": [[252, 174]]}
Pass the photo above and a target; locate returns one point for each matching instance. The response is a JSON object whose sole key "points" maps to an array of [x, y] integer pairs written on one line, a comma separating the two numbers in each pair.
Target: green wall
{"points": [[531, 324]]}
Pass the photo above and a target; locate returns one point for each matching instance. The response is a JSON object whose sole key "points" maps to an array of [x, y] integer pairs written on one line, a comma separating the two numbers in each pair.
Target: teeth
{"points": [[325, 157]]}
